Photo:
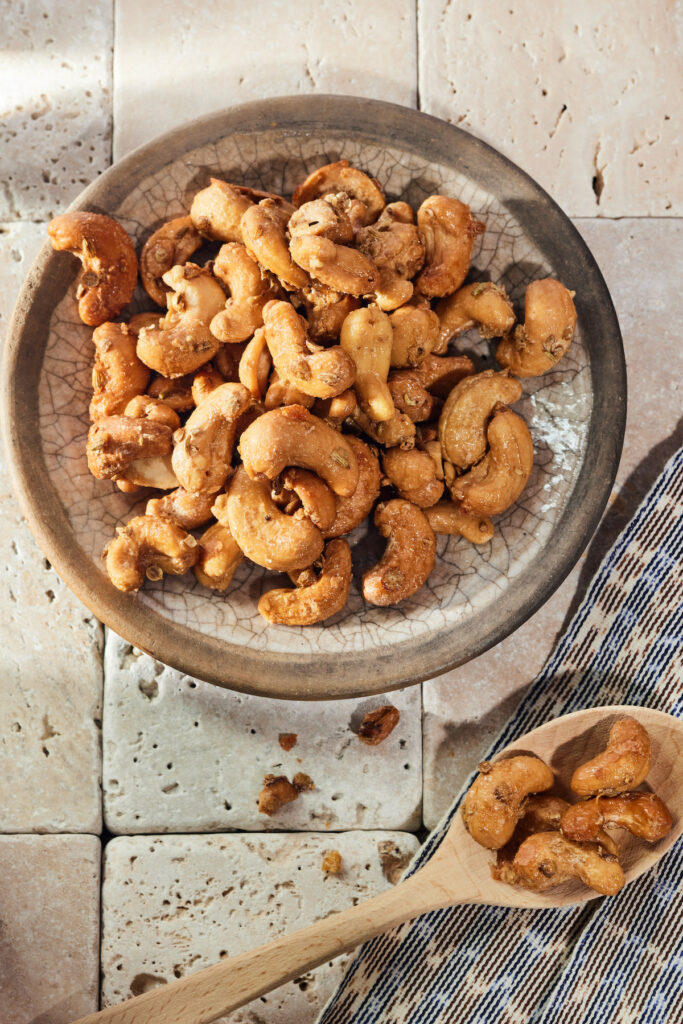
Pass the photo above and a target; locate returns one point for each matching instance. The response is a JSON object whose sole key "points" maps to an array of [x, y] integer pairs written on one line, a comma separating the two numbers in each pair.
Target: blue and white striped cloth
{"points": [[616, 961]]}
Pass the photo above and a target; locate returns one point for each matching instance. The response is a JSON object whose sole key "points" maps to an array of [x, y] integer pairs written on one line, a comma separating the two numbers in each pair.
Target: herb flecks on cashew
{"points": [[409, 555], [203, 447], [339, 267], [415, 335], [118, 375], [495, 800], [484, 305], [466, 414], [395, 247], [548, 859], [342, 177], [264, 230], [188, 509], [448, 230], [321, 374], [148, 547], [352, 510], [300, 489], [536, 346], [171, 245], [114, 442], [623, 765], [314, 601], [326, 310], [366, 336]]}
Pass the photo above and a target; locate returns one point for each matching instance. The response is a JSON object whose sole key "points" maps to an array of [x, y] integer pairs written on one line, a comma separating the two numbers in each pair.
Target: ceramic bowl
{"points": [[475, 595]]}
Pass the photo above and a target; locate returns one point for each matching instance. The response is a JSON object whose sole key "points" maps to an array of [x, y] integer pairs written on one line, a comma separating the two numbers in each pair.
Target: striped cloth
{"points": [[616, 960]]}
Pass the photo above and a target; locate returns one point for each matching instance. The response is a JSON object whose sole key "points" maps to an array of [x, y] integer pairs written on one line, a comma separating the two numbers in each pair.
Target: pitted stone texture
{"points": [[354, 48], [19, 244], [464, 710], [49, 928], [55, 117], [183, 755], [580, 95], [175, 904]]}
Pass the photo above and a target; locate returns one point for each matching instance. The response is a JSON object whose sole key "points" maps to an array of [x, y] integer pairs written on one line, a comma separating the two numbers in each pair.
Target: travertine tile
{"points": [[581, 95], [182, 755], [174, 904], [49, 928], [55, 116], [50, 700], [217, 54], [465, 709]]}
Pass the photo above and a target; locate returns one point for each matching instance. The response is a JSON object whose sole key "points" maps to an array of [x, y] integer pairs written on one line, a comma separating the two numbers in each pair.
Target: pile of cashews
{"points": [[300, 378]]}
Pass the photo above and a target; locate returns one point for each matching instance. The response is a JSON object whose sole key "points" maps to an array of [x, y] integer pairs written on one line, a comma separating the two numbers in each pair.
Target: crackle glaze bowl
{"points": [[476, 595]]}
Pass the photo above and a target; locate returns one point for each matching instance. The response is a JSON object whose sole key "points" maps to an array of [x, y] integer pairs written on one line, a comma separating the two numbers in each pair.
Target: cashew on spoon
{"points": [[548, 859], [495, 483], [314, 601], [148, 547], [623, 764], [536, 346], [643, 814], [495, 801], [321, 374], [409, 555]]}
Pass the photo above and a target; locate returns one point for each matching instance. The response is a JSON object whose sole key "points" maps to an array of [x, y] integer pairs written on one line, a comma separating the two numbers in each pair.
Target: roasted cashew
{"points": [[187, 509], [281, 392], [176, 393], [114, 442], [309, 492], [263, 531], [255, 365], [322, 374], [366, 336], [342, 177], [110, 266], [415, 334], [313, 602], [409, 555], [205, 380], [643, 814], [398, 431], [217, 210], [484, 305], [293, 437], [548, 859], [171, 245], [542, 813], [203, 447], [327, 217], [326, 311], [448, 230], [183, 342], [623, 765], [495, 800], [336, 410], [398, 252], [411, 397], [536, 346], [117, 375], [352, 510], [413, 474], [264, 230], [144, 407], [148, 547], [495, 483], [440, 374], [218, 558], [248, 289], [467, 411], [337, 266], [445, 517], [140, 320]]}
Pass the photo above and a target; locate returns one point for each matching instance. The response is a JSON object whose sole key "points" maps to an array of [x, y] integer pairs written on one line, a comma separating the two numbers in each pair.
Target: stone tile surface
{"points": [[220, 54], [55, 106], [183, 755], [49, 928], [464, 710], [175, 904], [581, 95]]}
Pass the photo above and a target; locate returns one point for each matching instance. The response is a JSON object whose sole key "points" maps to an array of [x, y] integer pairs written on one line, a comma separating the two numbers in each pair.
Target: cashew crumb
{"points": [[303, 783], [287, 740], [378, 724], [277, 791], [332, 862]]}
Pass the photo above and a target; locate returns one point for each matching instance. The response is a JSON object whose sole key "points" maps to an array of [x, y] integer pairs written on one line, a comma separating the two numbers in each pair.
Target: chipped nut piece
{"points": [[153, 472], [467, 411], [303, 783], [288, 740], [495, 800], [415, 334], [313, 602], [277, 791], [314, 497], [352, 510], [282, 392], [409, 555], [378, 724], [339, 267], [494, 484], [342, 177], [332, 862], [484, 305], [183, 507], [326, 311], [643, 814], [218, 557], [542, 813], [293, 437], [248, 290], [144, 407], [623, 765], [171, 245], [217, 210], [175, 393], [118, 375], [446, 517], [537, 345], [321, 374], [148, 547], [255, 365], [448, 230], [398, 431], [411, 397], [205, 380], [114, 442], [264, 231], [110, 266], [366, 336], [203, 447], [548, 859], [413, 474]]}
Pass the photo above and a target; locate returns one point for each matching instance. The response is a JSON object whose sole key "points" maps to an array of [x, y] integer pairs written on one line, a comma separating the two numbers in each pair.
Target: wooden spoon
{"points": [[459, 872]]}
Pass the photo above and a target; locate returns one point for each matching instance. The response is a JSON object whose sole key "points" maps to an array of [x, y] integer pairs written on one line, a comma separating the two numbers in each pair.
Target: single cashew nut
{"points": [[448, 230], [342, 177], [415, 334], [308, 492], [411, 397], [203, 447], [205, 380], [118, 375], [110, 266], [148, 547], [467, 412], [264, 230], [409, 555], [352, 510], [217, 210], [177, 393], [495, 483], [326, 217], [114, 442], [249, 291], [321, 374], [282, 392], [218, 558], [326, 311], [484, 305], [171, 245], [495, 800], [413, 474], [144, 407], [339, 267], [187, 509], [293, 437], [313, 602], [643, 814], [255, 365], [623, 765], [445, 517], [536, 346], [547, 859], [366, 336]]}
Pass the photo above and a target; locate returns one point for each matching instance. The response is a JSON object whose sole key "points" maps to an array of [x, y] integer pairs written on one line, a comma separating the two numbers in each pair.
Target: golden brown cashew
{"points": [[337, 266], [342, 177], [467, 411], [144, 407], [366, 336], [182, 507], [217, 210], [313, 602], [171, 245], [117, 375], [548, 859], [643, 814], [352, 510], [281, 392], [205, 380], [445, 517], [293, 437], [309, 493], [624, 763], [183, 342], [326, 311], [411, 397], [409, 555], [495, 483], [110, 266], [176, 393], [203, 447], [326, 217], [116, 441], [322, 374], [148, 547], [495, 800], [415, 334], [549, 323], [140, 320], [398, 431], [398, 252], [448, 230], [413, 473], [264, 231], [263, 531], [255, 365], [218, 558], [484, 305], [248, 291]]}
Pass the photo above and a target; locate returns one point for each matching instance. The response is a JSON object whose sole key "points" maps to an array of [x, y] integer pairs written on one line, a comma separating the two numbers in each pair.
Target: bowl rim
{"points": [[293, 675]]}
